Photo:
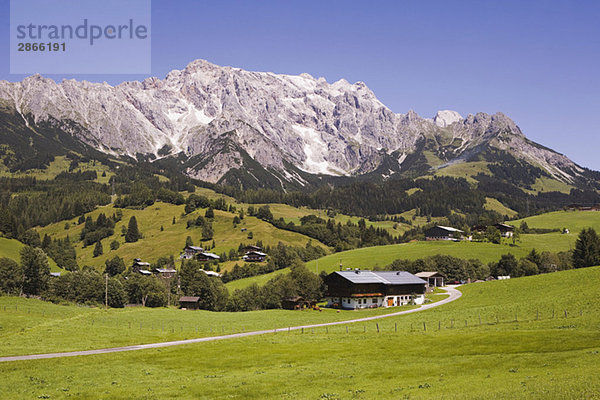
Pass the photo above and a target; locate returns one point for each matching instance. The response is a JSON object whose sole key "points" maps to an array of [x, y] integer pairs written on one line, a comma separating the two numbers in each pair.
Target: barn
{"points": [[357, 288], [189, 302], [443, 233]]}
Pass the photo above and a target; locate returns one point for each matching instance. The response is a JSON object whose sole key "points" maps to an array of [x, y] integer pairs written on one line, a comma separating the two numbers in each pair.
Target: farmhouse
{"points": [[190, 251], [433, 278], [368, 289], [140, 267], [254, 256], [204, 256], [165, 272], [505, 230], [189, 302], [443, 233]]}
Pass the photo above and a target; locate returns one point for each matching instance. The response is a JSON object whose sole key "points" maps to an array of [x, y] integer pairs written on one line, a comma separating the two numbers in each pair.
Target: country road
{"points": [[454, 295]]}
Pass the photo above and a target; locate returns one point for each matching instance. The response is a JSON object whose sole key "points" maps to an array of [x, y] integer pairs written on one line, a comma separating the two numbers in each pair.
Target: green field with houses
{"points": [[370, 257]]}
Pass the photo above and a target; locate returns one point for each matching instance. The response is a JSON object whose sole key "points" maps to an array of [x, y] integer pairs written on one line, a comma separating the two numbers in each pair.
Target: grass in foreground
{"points": [[537, 356], [29, 326]]}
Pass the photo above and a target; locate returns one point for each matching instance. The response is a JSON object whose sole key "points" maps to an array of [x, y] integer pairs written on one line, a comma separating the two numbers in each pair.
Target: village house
{"points": [[434, 279], [444, 233], [353, 289], [254, 256], [141, 267], [506, 231], [189, 252]]}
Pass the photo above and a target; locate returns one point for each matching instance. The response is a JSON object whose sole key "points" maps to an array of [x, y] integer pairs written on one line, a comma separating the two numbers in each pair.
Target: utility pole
{"points": [[106, 291]]}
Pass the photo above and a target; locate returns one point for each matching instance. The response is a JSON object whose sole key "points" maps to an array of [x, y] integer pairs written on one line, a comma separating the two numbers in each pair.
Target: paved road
{"points": [[454, 294]]}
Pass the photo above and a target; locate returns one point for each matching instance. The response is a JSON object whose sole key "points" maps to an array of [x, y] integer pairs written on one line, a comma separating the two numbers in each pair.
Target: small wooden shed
{"points": [[296, 303], [189, 302]]}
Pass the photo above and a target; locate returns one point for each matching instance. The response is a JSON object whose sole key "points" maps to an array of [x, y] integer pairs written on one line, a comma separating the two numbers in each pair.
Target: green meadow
{"points": [[29, 326], [533, 337]]}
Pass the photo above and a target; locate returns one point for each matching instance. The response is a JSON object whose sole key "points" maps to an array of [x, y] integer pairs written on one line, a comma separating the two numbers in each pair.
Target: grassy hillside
{"points": [[575, 221], [171, 240], [531, 337], [492, 204], [61, 164], [11, 248]]}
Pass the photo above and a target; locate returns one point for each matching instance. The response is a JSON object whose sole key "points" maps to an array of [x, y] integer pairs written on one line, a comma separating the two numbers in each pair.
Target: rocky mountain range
{"points": [[228, 125]]}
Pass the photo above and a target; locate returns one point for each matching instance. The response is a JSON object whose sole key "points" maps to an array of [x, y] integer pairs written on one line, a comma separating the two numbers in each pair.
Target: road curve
{"points": [[454, 295]]}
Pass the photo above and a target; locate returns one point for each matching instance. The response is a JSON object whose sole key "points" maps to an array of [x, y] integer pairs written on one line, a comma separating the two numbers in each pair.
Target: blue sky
{"points": [[536, 61]]}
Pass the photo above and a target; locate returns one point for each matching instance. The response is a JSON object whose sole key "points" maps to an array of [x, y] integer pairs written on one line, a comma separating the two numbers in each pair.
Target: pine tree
{"points": [[189, 241], [587, 249], [98, 250], [133, 234]]}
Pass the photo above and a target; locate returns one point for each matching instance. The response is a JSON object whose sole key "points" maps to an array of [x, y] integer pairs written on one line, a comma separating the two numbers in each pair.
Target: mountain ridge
{"points": [[291, 125]]}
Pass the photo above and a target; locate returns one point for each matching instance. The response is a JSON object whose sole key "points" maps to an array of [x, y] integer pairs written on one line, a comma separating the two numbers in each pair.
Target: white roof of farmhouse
{"points": [[449, 228], [385, 277]]}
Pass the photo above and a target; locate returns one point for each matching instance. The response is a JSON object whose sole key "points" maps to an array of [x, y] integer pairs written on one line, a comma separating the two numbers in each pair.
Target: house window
{"points": [[374, 301]]}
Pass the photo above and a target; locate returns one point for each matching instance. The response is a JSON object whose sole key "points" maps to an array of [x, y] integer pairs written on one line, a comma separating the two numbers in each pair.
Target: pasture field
{"points": [[575, 221], [61, 164], [29, 326], [534, 337], [11, 248]]}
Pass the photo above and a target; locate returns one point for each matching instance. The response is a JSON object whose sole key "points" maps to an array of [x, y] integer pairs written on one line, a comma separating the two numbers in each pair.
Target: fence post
{"points": [[395, 327], [424, 326], [439, 325], [302, 330], [377, 326], [565, 313], [346, 328]]}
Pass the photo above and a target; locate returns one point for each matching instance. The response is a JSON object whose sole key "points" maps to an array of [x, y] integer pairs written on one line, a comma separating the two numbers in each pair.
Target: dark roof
{"points": [[253, 247], [195, 248], [505, 226], [210, 255], [189, 299], [385, 277]]}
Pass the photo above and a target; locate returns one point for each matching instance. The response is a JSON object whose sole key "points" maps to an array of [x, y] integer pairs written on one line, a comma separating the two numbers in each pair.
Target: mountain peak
{"points": [[444, 118]]}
